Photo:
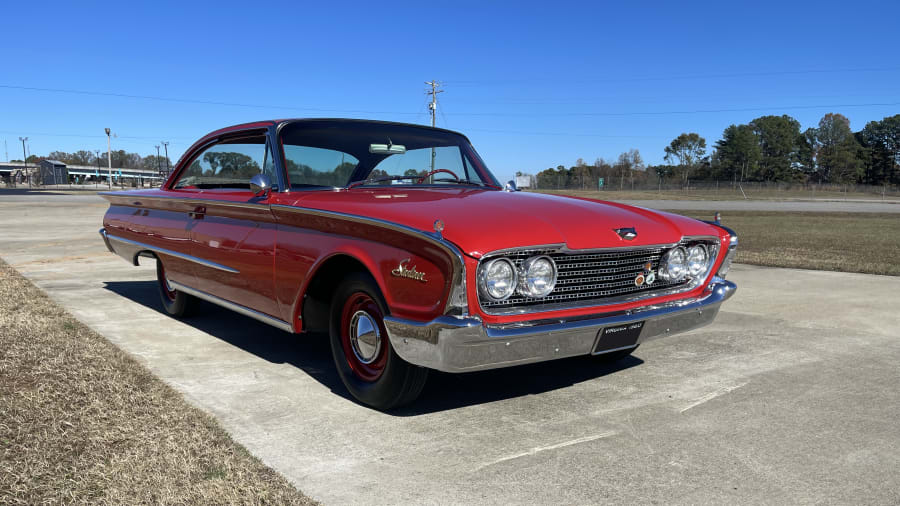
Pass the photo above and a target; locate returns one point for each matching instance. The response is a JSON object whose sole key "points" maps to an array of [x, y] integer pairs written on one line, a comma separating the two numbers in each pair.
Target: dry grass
{"points": [[724, 194], [848, 242], [81, 421]]}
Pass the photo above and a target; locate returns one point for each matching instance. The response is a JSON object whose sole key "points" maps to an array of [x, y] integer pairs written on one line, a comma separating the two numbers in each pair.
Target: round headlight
{"points": [[697, 260], [540, 277], [498, 279], [674, 265]]}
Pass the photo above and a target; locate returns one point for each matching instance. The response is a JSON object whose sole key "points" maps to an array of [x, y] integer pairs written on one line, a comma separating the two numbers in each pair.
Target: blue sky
{"points": [[533, 84]]}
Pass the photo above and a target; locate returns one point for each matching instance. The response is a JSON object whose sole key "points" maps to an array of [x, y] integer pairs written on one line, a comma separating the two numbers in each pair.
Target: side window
{"points": [[229, 164], [310, 167]]}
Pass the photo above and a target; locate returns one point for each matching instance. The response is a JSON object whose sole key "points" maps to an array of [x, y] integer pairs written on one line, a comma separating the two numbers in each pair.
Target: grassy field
{"points": [[849, 242], [81, 421], [725, 193]]}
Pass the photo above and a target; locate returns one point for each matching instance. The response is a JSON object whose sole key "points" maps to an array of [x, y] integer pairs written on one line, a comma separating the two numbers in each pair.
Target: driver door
{"points": [[231, 229]]}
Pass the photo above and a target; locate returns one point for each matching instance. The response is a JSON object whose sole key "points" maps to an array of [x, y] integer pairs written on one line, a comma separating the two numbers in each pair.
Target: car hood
{"points": [[481, 221]]}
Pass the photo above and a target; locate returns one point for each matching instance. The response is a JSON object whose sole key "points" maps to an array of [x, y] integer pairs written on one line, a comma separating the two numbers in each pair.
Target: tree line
{"points": [[768, 148], [120, 159]]}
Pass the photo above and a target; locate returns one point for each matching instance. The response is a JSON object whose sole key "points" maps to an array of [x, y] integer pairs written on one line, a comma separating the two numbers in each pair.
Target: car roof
{"points": [[371, 121], [281, 122]]}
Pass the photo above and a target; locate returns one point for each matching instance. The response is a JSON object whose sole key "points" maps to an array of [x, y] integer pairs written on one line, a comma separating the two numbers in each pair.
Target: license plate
{"points": [[618, 337]]}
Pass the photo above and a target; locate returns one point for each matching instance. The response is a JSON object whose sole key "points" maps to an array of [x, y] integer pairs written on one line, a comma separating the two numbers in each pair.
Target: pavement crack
{"points": [[540, 449]]}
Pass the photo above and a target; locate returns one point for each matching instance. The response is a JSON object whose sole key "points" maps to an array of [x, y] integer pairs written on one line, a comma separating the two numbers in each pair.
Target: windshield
{"points": [[326, 154]]}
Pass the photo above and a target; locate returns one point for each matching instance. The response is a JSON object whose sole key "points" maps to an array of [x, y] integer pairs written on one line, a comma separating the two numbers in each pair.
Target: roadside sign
{"points": [[600, 183]]}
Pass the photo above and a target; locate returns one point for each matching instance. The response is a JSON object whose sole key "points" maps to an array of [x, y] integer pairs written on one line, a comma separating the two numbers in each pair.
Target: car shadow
{"points": [[29, 191], [312, 354]]}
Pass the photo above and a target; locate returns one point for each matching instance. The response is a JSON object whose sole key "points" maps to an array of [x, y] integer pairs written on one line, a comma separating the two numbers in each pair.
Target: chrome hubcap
{"points": [[365, 338]]}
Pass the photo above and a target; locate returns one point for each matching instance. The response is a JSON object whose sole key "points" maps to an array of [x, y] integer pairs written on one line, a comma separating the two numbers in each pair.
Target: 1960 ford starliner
{"points": [[397, 242]]}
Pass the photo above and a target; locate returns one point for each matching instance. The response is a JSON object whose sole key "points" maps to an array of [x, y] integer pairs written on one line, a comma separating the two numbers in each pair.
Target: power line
{"points": [[45, 134], [566, 134], [194, 101], [601, 99], [667, 113], [496, 114], [678, 78]]}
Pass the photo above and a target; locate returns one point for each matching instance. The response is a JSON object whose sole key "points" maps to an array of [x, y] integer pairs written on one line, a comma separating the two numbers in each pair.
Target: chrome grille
{"points": [[589, 278]]}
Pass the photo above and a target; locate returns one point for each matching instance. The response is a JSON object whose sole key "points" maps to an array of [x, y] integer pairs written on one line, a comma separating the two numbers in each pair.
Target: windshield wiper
{"points": [[460, 181], [379, 180], [400, 178]]}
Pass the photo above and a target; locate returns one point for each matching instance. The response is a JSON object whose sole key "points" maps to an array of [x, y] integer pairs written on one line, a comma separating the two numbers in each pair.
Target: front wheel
{"points": [[367, 364]]}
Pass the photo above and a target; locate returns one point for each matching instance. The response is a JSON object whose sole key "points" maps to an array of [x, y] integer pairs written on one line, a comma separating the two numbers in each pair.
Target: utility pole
{"points": [[432, 107], [25, 159], [97, 152], [166, 146], [109, 157], [6, 150]]}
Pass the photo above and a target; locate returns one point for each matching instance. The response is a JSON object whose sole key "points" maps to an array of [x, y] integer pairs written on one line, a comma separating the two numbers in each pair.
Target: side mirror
{"points": [[510, 186], [260, 185]]}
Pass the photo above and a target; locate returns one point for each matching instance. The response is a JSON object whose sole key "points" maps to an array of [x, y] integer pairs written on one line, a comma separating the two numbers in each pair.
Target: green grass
{"points": [[847, 242], [724, 193]]}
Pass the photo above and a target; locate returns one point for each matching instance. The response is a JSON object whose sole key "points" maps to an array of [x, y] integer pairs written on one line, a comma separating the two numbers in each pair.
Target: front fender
{"points": [[415, 272]]}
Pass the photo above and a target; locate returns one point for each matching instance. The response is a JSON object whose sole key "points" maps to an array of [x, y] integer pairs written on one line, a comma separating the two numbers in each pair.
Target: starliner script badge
{"points": [[402, 271]]}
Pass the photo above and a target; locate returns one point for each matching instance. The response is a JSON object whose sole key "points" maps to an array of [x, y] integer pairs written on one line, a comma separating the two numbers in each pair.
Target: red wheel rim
{"points": [[363, 337], [164, 284]]}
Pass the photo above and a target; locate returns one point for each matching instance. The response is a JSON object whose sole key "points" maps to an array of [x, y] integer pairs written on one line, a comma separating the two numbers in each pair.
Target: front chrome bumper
{"points": [[466, 344]]}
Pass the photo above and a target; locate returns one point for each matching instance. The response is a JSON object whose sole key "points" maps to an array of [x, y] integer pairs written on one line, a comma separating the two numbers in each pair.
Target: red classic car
{"points": [[397, 242]]}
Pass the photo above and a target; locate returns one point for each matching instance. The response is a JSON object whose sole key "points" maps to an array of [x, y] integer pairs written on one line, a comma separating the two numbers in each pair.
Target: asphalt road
{"points": [[790, 397], [819, 206], [815, 206]]}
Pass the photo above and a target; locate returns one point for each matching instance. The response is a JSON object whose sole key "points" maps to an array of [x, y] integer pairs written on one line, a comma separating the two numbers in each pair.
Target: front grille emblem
{"points": [[627, 233]]}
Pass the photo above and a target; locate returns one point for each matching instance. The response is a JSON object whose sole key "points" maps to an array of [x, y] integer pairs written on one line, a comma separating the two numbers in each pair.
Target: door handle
{"points": [[197, 213]]}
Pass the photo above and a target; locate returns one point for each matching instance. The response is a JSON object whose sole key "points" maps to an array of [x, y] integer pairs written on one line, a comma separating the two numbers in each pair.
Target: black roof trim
{"points": [[282, 123]]}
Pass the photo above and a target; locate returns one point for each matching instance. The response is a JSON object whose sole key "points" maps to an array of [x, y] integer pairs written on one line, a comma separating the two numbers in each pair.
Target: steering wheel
{"points": [[435, 171]]}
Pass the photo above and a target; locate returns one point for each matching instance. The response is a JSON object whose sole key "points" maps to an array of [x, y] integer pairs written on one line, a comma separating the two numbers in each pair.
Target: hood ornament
{"points": [[627, 233], [439, 228]]}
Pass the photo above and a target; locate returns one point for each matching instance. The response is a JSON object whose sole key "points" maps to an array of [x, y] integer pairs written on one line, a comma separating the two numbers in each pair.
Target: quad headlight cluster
{"points": [[685, 261], [499, 278]]}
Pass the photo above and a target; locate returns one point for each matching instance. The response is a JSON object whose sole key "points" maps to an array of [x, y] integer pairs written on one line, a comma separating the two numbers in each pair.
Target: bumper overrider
{"points": [[454, 344]]}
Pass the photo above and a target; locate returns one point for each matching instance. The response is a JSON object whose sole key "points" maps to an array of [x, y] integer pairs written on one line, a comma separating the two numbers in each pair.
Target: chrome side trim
{"points": [[139, 203], [459, 268], [106, 240], [157, 249], [246, 311]]}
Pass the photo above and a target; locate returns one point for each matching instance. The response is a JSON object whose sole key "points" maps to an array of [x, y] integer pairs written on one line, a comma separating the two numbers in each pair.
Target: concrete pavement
{"points": [[791, 396]]}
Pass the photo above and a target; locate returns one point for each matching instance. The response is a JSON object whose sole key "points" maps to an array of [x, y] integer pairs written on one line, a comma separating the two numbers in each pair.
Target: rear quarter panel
{"points": [[145, 216]]}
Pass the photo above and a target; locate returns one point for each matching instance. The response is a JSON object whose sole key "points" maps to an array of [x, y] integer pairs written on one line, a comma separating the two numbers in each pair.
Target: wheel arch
{"points": [[146, 253], [313, 305]]}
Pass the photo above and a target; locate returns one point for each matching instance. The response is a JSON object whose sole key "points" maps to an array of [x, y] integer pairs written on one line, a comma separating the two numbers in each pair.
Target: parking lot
{"points": [[789, 397]]}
